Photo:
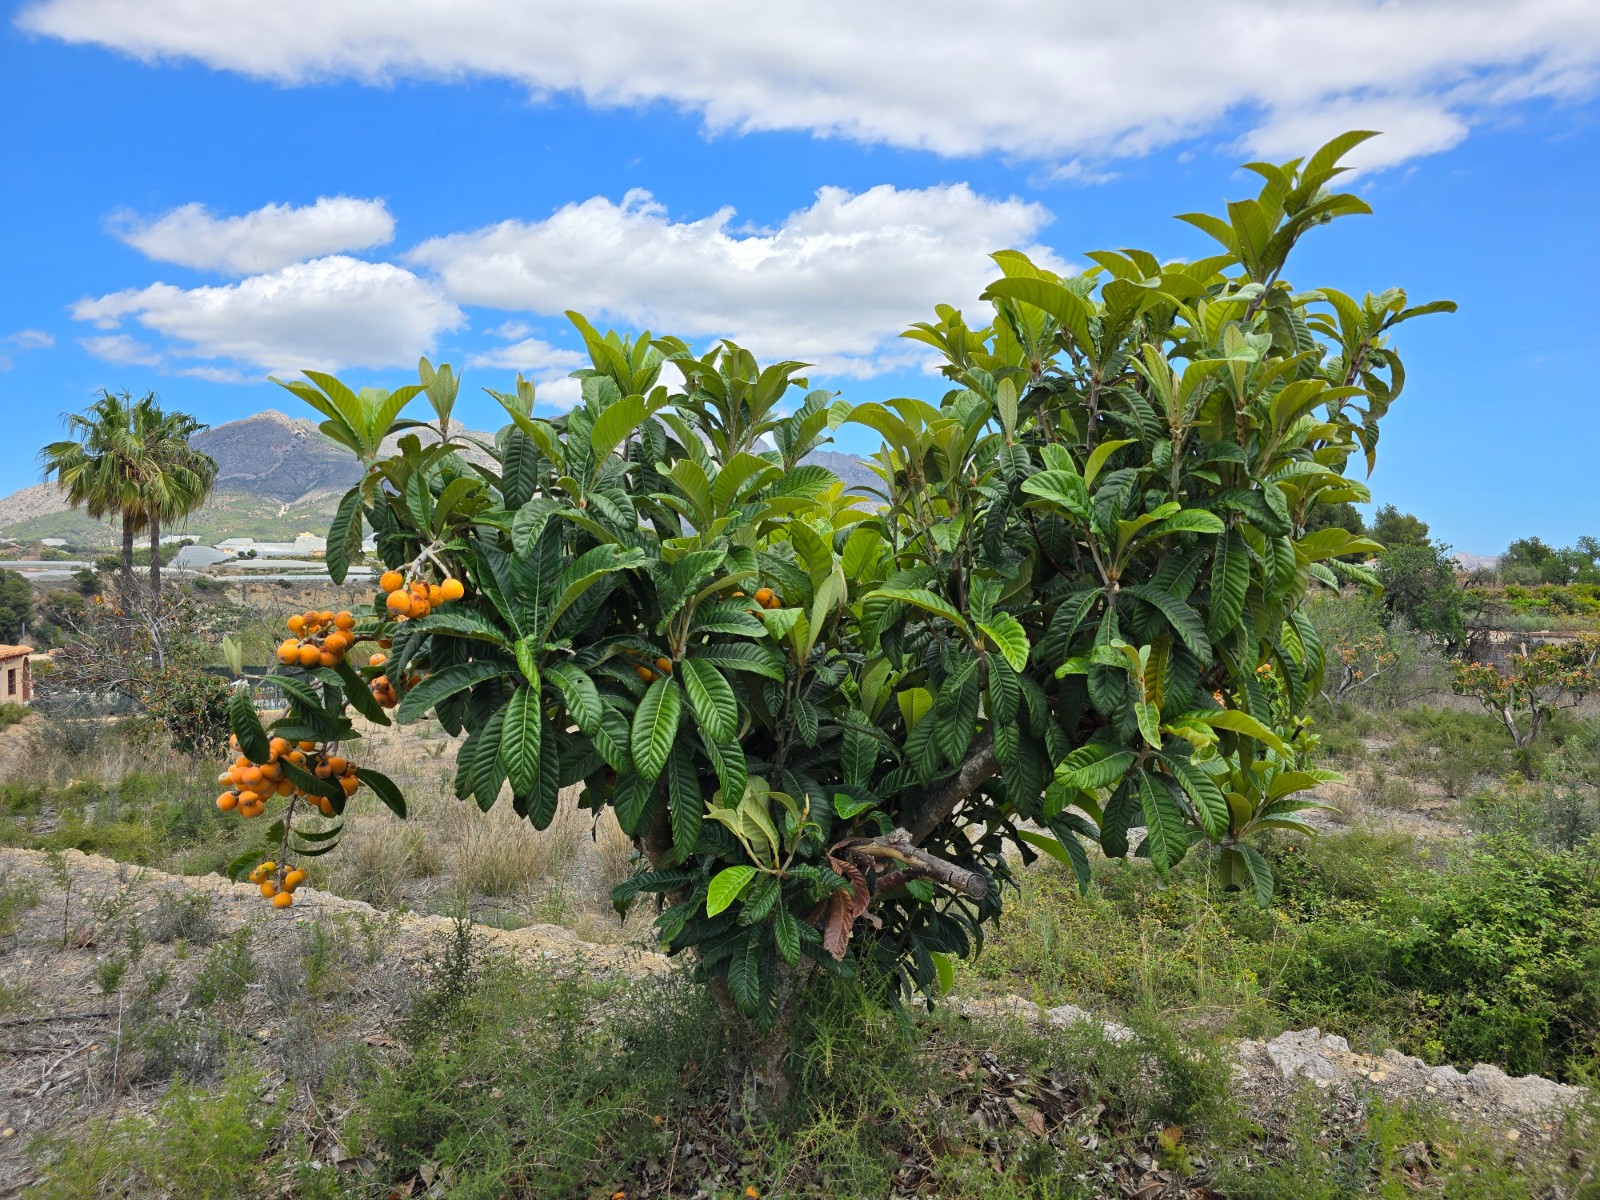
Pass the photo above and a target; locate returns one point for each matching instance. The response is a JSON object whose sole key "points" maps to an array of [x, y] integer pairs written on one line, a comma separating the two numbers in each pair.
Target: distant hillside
{"points": [[276, 476]]}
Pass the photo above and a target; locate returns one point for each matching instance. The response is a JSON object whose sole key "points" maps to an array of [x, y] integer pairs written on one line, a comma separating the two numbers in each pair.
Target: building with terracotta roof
{"points": [[16, 679]]}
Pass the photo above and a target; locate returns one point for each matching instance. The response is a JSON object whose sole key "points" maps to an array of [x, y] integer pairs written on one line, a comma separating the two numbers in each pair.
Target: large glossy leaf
{"points": [[715, 708], [655, 727], [442, 685]]}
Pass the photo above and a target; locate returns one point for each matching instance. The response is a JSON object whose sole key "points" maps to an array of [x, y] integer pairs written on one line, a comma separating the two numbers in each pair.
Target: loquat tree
{"points": [[1069, 612]]}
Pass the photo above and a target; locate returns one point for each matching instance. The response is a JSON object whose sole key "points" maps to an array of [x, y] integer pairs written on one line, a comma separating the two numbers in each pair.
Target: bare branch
{"points": [[980, 765], [919, 864]]}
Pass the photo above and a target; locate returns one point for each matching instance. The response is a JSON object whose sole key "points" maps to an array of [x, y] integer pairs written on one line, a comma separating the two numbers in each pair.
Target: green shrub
{"points": [[13, 714], [197, 1145]]}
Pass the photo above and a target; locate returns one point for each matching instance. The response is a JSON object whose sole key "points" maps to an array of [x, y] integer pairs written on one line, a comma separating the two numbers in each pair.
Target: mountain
{"points": [[276, 476]]}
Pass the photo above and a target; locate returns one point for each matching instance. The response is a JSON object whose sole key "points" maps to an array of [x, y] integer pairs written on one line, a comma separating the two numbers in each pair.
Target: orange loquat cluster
{"points": [[250, 785], [418, 597], [321, 639], [278, 883]]}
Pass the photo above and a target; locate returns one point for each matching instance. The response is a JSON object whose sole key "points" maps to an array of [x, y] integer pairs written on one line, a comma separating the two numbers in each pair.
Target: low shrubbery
{"points": [[1485, 952]]}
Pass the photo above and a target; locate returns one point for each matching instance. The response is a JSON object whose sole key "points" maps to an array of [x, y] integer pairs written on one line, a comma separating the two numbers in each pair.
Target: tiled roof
{"points": [[14, 651]]}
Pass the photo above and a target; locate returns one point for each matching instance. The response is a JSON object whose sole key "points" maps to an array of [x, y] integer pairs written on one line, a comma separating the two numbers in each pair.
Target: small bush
{"points": [[13, 714]]}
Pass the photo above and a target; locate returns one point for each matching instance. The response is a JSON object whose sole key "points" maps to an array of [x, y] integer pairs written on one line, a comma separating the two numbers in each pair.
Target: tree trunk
{"points": [[127, 550], [760, 1074], [155, 558]]}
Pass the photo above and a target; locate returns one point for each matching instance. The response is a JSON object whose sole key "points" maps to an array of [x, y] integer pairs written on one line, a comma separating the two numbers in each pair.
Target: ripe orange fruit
{"points": [[284, 787], [282, 900], [645, 673], [289, 651], [337, 764], [401, 603], [665, 664], [227, 802], [327, 659], [271, 770], [349, 783], [325, 805], [391, 581], [269, 887], [278, 746], [250, 775], [763, 596], [310, 656], [435, 595], [294, 879], [307, 745], [297, 624], [344, 620], [452, 589], [377, 659], [774, 602]]}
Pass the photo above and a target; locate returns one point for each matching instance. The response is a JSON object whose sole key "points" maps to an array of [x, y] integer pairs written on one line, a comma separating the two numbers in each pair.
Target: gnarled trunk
{"points": [[760, 1073]]}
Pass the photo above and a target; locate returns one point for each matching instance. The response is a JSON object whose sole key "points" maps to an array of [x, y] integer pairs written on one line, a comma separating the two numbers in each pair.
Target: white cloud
{"points": [[268, 238], [1038, 80], [1409, 129], [327, 314], [529, 355], [832, 283], [20, 341], [121, 349]]}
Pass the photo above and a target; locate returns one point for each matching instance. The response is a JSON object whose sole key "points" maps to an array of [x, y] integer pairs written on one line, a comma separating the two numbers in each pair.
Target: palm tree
{"points": [[129, 459], [99, 467], [176, 478]]}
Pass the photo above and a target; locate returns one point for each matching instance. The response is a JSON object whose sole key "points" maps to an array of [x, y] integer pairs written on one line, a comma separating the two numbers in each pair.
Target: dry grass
{"points": [[449, 856]]}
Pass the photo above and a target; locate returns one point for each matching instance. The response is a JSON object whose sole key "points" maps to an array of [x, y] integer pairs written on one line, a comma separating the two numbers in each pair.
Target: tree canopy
{"points": [[1070, 613]]}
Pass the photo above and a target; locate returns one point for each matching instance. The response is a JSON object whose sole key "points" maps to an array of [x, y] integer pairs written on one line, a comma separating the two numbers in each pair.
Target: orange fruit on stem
{"points": [[344, 620], [665, 664], [227, 802], [282, 900], [645, 673], [310, 656], [763, 596], [392, 581], [452, 589]]}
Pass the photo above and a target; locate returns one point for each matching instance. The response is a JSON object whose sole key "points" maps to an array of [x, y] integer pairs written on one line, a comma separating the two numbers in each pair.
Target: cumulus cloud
{"points": [[1039, 80], [122, 349], [264, 240], [832, 283], [326, 314]]}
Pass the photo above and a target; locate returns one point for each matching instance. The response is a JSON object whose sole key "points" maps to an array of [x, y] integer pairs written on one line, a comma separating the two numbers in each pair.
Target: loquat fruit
{"points": [[344, 620], [665, 664], [391, 581], [282, 900], [227, 802], [763, 596], [310, 656], [645, 673], [452, 589]]}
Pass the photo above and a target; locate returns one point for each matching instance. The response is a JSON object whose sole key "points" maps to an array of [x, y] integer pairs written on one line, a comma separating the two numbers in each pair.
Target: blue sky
{"points": [[198, 195]]}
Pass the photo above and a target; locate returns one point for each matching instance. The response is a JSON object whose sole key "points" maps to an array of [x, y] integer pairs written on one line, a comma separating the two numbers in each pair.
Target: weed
{"points": [[183, 916]]}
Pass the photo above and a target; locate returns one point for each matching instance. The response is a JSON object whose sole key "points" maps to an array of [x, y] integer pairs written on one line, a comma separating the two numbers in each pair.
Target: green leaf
{"points": [[1209, 803], [1063, 489], [1165, 833], [246, 724], [715, 708], [384, 789], [344, 535], [441, 685], [1184, 620], [520, 739], [786, 933], [726, 885], [1260, 874], [359, 693], [925, 600], [1149, 717], [1009, 637], [686, 806], [1230, 583], [1066, 306], [1066, 850], [1097, 460], [944, 966], [655, 727], [1242, 722]]}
